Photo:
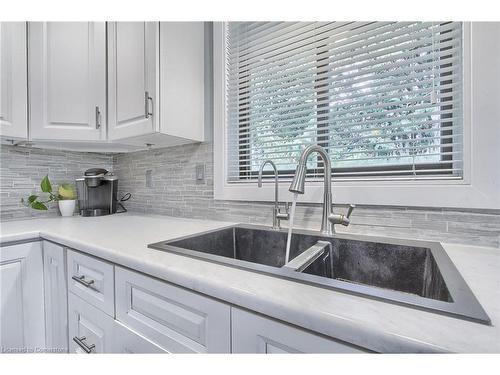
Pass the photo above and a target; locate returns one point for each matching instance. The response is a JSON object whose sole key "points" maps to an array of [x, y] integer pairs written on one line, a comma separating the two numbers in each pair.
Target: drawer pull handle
{"points": [[86, 348], [81, 280]]}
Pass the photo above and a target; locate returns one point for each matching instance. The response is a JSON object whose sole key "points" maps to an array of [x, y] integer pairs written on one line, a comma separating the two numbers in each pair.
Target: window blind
{"points": [[383, 98]]}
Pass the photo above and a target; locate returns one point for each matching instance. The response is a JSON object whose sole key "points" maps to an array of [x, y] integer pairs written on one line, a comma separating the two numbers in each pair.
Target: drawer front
{"points": [[90, 329], [176, 319], [92, 280], [252, 333], [129, 342]]}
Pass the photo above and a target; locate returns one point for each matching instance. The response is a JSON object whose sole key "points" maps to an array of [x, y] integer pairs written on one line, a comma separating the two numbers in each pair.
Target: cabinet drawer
{"points": [[254, 333], [129, 342], [92, 280], [176, 319], [89, 328]]}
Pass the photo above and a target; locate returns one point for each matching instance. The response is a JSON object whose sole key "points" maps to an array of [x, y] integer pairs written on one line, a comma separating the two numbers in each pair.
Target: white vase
{"points": [[67, 207]]}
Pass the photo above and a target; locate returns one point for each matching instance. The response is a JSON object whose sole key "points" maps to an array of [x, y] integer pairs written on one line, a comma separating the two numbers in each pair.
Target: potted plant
{"points": [[66, 198]]}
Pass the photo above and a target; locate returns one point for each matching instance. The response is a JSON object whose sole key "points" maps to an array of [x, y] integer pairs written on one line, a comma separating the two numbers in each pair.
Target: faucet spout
{"points": [[277, 215], [298, 183]]}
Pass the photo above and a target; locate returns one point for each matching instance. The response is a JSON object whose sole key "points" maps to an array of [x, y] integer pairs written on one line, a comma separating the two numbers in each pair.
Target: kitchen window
{"points": [[383, 98]]}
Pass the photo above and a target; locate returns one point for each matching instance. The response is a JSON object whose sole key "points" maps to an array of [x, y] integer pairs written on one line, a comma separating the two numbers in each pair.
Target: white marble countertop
{"points": [[376, 325]]}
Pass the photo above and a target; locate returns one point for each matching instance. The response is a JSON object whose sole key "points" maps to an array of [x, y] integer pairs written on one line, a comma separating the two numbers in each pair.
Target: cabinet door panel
{"points": [[132, 65], [13, 81], [252, 333], [21, 297], [182, 53], [56, 297], [67, 80]]}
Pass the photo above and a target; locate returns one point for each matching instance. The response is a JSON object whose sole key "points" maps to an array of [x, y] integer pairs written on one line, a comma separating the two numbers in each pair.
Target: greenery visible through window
{"points": [[383, 98]]}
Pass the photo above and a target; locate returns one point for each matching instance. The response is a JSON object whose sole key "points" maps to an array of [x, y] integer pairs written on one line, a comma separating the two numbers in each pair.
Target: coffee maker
{"points": [[97, 192]]}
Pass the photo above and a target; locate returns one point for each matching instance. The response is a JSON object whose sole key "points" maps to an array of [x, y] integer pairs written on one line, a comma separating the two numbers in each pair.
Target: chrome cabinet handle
{"points": [[81, 280], [147, 99], [80, 341], [97, 117]]}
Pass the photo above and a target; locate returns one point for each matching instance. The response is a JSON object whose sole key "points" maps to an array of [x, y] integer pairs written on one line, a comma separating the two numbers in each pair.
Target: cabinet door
{"points": [[182, 64], [56, 297], [67, 79], [252, 333], [132, 78], [13, 81], [90, 329], [174, 318], [21, 298]]}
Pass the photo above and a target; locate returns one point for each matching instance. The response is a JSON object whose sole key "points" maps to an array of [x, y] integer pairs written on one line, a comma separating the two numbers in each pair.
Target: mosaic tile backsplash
{"points": [[172, 189], [22, 169]]}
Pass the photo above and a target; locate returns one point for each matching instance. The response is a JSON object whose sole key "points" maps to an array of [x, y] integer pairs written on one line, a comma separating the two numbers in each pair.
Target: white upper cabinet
{"points": [[156, 82], [13, 81], [132, 78], [134, 85], [182, 62], [67, 70]]}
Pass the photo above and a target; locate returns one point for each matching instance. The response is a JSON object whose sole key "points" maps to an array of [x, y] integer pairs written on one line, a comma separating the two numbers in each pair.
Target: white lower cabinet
{"points": [[83, 304], [174, 318], [93, 331], [252, 333], [56, 297], [21, 298]]}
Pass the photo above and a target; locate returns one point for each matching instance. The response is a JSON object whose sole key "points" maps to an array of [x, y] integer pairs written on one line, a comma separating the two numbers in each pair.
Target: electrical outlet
{"points": [[200, 173], [149, 178]]}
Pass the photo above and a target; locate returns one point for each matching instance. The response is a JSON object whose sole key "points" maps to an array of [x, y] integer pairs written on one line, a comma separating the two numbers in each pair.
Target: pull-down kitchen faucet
{"points": [[329, 219], [277, 214]]}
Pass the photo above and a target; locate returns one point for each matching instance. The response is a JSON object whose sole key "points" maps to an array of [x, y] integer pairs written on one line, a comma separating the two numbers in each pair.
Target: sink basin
{"points": [[243, 243], [413, 273]]}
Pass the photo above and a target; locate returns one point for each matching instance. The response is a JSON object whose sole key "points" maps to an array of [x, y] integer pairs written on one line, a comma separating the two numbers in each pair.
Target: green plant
{"points": [[65, 192]]}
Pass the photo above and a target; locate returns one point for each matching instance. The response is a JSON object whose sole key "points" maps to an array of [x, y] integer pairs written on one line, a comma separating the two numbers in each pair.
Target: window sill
{"points": [[436, 193]]}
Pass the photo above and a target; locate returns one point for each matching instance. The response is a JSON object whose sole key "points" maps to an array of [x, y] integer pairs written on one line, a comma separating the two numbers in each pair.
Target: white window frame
{"points": [[480, 186]]}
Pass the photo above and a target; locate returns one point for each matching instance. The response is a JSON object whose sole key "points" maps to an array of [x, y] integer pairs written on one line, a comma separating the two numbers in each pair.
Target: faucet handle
{"points": [[345, 218], [349, 210], [285, 215]]}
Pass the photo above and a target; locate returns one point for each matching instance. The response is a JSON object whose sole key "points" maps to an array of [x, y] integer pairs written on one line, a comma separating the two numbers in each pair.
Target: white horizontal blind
{"points": [[384, 98]]}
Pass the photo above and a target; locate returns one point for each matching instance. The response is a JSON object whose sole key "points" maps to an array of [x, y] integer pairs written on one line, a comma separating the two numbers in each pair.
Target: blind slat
{"points": [[314, 77], [383, 95], [262, 63], [335, 112]]}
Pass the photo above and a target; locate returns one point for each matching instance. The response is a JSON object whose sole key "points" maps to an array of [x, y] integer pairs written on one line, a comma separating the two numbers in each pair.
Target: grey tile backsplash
{"points": [[22, 168], [172, 188]]}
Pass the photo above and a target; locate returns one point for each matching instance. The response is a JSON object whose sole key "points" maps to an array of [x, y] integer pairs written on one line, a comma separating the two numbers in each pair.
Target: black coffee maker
{"points": [[97, 192]]}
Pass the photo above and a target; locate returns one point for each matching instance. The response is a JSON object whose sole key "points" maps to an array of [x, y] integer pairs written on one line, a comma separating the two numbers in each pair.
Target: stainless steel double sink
{"points": [[418, 274]]}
